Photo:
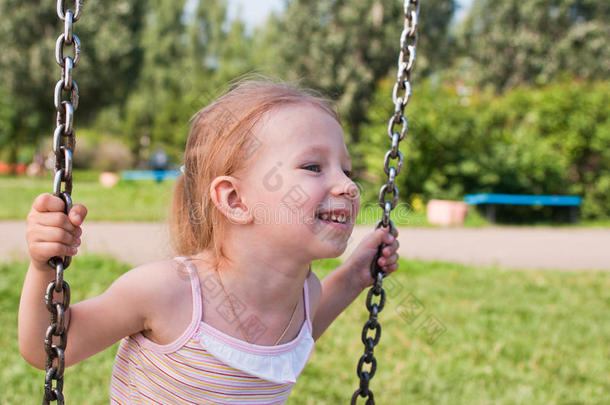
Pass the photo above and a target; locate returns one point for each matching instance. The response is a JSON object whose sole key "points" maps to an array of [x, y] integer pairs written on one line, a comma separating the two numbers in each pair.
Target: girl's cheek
{"points": [[356, 207]]}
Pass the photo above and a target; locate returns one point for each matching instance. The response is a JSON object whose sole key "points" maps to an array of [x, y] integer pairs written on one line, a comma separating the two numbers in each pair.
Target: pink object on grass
{"points": [[445, 212], [109, 179]]}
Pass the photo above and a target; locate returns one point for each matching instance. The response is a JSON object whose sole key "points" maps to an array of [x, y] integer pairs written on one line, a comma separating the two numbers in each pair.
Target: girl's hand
{"points": [[50, 232], [359, 263]]}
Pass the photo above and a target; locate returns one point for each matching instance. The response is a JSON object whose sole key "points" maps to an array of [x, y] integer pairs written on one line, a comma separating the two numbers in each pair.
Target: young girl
{"points": [[265, 190]]}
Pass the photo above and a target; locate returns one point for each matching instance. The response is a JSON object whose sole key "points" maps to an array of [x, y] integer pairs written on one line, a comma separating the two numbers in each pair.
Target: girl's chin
{"points": [[334, 247]]}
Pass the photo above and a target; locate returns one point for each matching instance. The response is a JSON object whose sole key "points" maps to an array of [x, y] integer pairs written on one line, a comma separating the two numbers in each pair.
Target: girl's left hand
{"points": [[359, 262]]}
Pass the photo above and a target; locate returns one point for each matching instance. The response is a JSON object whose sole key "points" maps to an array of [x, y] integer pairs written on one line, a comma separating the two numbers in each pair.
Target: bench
{"points": [[491, 200], [157, 175]]}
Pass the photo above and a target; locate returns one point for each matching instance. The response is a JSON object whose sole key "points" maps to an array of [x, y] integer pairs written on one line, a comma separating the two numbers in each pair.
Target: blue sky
{"points": [[254, 12]]}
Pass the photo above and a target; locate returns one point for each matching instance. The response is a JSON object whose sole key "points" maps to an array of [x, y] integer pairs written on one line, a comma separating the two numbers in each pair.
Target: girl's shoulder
{"points": [[161, 277], [165, 289]]}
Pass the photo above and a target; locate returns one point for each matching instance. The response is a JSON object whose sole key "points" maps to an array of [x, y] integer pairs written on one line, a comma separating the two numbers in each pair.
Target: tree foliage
{"points": [[511, 43], [551, 140], [159, 83], [109, 63], [188, 56]]}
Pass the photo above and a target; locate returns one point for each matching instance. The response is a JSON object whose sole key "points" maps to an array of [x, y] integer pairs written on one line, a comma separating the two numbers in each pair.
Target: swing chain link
{"points": [[57, 296], [406, 60]]}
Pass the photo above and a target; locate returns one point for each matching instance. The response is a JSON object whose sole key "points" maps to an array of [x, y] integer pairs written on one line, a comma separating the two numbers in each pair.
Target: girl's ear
{"points": [[225, 195]]}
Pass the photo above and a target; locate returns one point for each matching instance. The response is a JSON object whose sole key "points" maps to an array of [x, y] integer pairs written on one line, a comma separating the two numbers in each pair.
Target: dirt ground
{"points": [[506, 247]]}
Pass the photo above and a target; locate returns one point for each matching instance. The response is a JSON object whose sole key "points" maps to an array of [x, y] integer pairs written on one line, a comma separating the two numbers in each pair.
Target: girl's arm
{"points": [[337, 291], [347, 281], [94, 324], [130, 305]]}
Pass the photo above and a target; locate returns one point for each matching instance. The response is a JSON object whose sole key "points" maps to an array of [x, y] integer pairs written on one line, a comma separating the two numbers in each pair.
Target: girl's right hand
{"points": [[50, 232]]}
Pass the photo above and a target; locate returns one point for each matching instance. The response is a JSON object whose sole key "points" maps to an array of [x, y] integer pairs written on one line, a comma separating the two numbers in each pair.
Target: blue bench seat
{"points": [[491, 200]]}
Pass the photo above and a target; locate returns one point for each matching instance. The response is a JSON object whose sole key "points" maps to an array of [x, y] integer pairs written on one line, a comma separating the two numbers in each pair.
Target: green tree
{"points": [[109, 33], [159, 82], [220, 51], [190, 52], [511, 43], [7, 118]]}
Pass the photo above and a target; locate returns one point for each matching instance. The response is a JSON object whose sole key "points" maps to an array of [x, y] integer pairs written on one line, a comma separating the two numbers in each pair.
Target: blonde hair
{"points": [[220, 142]]}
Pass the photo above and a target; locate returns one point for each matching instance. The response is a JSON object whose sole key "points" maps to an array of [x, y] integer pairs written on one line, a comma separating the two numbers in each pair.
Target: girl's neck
{"points": [[265, 285]]}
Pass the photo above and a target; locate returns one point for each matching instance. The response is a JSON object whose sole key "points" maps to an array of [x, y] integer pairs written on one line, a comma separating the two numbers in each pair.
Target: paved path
{"points": [[507, 247]]}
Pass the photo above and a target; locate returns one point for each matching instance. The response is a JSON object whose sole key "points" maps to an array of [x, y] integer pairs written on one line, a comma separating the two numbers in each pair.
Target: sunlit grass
{"points": [[127, 201], [502, 337]]}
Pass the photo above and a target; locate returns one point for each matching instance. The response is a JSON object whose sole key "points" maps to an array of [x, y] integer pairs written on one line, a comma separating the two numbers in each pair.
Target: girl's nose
{"points": [[345, 186], [352, 190]]}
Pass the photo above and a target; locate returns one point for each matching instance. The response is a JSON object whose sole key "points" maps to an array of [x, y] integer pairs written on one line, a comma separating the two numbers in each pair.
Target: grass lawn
{"points": [[452, 334], [127, 201]]}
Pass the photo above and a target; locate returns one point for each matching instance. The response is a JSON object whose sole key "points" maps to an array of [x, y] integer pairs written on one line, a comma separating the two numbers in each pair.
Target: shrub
{"points": [[550, 140], [112, 156], [84, 153]]}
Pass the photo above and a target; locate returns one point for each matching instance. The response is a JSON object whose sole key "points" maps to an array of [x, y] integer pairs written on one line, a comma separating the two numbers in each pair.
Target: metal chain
{"points": [[57, 297], [406, 59]]}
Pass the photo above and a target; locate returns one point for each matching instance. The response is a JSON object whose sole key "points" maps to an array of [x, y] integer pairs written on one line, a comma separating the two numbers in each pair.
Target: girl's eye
{"points": [[348, 173], [314, 166]]}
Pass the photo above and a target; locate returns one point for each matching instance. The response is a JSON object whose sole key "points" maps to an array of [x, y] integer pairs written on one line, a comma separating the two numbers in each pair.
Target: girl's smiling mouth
{"points": [[337, 218]]}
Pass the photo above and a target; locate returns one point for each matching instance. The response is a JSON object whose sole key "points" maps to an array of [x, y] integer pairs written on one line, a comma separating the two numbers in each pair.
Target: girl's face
{"points": [[297, 186]]}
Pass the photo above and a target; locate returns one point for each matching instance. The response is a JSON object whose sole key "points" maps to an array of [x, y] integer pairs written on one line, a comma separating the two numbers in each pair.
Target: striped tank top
{"points": [[207, 366]]}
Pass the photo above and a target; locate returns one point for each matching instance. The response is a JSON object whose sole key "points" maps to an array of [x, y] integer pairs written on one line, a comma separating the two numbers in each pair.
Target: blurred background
{"points": [[509, 97]]}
